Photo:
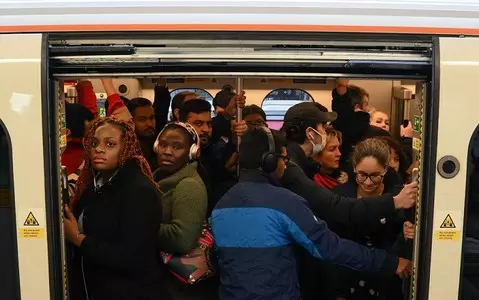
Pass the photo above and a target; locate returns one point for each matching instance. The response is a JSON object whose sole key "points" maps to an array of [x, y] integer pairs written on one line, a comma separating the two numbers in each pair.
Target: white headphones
{"points": [[195, 147]]}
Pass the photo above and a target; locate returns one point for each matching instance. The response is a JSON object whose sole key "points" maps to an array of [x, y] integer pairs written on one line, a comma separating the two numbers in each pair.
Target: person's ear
{"points": [[176, 114], [310, 133], [357, 107]]}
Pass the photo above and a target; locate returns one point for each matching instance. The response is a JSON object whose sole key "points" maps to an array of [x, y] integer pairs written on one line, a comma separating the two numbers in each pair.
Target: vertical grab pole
{"points": [[239, 117], [64, 181]]}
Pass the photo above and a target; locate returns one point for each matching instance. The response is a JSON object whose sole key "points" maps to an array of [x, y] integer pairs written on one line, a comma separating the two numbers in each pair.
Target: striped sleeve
{"points": [[72, 180]]}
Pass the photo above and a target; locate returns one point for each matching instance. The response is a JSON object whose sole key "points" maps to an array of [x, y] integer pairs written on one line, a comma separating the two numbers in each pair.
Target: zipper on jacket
{"points": [[84, 280]]}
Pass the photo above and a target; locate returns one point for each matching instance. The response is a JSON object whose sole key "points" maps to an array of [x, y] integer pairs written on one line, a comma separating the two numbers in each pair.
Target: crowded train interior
{"points": [[389, 80]]}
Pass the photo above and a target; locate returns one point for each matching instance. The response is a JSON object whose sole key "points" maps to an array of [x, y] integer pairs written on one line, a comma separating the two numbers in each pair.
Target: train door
{"points": [[469, 286], [9, 287], [23, 227], [458, 119]]}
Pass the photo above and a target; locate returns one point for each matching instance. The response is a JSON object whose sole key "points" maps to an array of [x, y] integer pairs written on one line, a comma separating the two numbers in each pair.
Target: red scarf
{"points": [[325, 181]]}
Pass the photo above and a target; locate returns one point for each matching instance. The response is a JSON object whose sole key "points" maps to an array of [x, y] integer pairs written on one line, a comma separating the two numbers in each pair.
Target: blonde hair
{"points": [[372, 111], [372, 147], [333, 133]]}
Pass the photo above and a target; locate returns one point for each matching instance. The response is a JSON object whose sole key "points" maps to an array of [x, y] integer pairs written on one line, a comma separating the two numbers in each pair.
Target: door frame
{"points": [[52, 166], [459, 63]]}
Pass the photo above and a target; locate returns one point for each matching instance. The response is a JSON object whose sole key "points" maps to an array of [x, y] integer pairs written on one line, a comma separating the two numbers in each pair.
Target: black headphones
{"points": [[269, 160]]}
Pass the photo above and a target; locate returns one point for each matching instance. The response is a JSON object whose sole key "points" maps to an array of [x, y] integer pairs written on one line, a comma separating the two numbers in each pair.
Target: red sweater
{"points": [[72, 157]]}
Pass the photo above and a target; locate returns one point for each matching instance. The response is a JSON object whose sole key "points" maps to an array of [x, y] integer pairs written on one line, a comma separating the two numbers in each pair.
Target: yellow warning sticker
{"points": [[448, 222], [448, 226], [63, 141], [31, 220], [33, 226], [447, 235]]}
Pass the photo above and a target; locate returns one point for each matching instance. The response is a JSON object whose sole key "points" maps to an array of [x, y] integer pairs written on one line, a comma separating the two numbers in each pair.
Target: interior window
{"points": [[204, 94], [8, 256], [278, 101]]}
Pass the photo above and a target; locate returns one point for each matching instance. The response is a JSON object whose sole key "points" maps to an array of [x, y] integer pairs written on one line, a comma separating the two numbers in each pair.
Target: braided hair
{"points": [[130, 150]]}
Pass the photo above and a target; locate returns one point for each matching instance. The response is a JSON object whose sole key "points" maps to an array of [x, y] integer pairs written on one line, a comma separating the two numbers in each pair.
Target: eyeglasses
{"points": [[374, 177]]}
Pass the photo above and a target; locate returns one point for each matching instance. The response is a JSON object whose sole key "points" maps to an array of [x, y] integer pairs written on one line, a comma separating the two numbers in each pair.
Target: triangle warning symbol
{"points": [[31, 220], [448, 222]]}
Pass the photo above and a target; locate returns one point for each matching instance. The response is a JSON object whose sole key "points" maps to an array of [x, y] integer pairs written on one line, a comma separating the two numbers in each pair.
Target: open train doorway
{"points": [[277, 71]]}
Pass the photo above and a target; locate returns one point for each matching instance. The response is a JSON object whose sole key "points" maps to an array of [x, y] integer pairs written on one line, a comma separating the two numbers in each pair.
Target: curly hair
{"points": [[130, 150]]}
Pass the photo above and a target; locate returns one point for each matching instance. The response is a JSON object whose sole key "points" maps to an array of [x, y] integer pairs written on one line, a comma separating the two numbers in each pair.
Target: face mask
{"points": [[317, 148]]}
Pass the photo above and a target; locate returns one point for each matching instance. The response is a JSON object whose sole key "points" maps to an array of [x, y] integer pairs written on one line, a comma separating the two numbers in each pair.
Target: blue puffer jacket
{"points": [[256, 226]]}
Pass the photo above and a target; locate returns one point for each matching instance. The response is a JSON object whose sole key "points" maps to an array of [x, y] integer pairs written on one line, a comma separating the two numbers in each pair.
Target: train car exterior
{"points": [[25, 112], [386, 16]]}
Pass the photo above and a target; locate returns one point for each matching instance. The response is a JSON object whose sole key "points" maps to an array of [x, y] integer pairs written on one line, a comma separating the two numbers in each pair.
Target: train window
{"points": [[278, 101], [9, 288], [470, 271], [204, 94]]}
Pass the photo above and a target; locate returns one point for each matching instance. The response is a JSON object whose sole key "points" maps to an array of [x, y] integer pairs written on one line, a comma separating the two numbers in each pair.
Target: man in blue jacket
{"points": [[257, 225]]}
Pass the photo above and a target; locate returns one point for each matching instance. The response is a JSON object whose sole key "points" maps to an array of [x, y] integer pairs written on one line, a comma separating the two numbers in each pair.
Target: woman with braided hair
{"points": [[114, 220]]}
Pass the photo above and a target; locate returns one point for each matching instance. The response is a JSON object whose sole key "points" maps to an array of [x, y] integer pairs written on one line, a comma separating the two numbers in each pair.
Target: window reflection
{"points": [[203, 94]]}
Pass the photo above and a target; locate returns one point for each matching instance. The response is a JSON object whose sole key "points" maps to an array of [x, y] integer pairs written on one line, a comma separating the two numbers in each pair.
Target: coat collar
{"points": [[171, 181]]}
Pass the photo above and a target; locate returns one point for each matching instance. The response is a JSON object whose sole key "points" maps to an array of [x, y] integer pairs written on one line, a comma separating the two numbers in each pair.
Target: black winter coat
{"points": [[333, 209], [118, 258], [383, 234], [325, 204]]}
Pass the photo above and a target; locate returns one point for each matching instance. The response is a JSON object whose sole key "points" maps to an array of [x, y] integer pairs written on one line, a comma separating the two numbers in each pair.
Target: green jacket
{"points": [[185, 202]]}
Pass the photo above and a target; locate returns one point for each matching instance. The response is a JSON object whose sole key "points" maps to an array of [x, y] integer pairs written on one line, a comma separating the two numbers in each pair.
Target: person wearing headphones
{"points": [[184, 201], [257, 224]]}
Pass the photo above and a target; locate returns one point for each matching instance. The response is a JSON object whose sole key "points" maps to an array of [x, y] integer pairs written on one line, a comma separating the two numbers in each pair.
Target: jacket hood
{"points": [[257, 176]]}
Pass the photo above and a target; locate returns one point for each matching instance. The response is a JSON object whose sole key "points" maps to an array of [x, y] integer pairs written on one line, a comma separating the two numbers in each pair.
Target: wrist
{"points": [[397, 203], [79, 239], [230, 113]]}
